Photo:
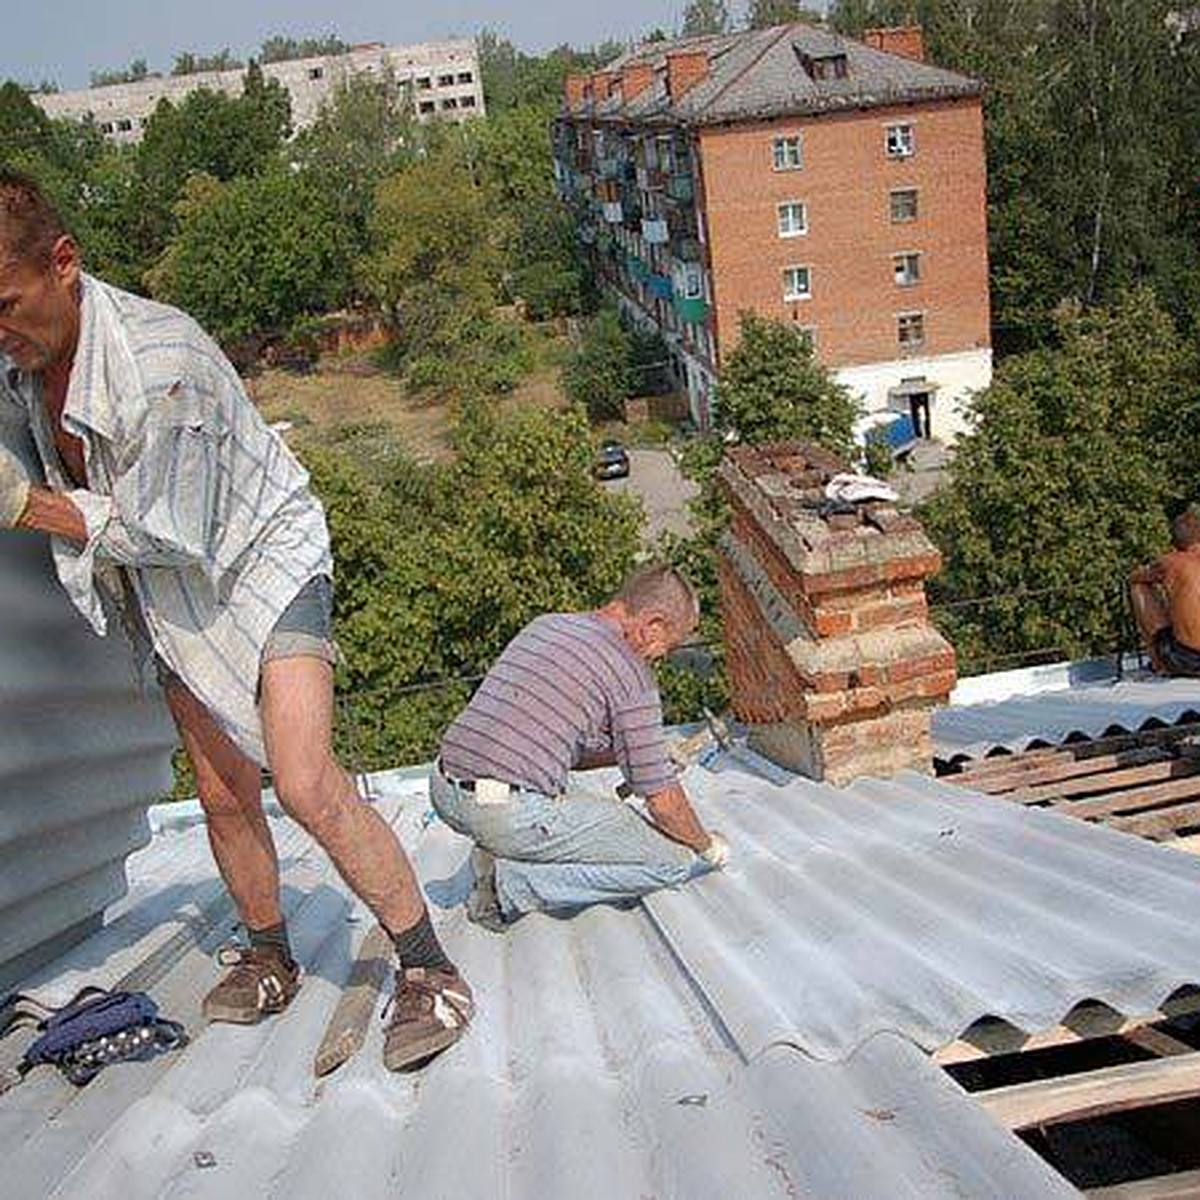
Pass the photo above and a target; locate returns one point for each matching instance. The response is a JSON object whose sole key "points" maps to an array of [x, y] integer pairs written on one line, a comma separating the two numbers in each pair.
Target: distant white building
{"points": [[442, 79]]}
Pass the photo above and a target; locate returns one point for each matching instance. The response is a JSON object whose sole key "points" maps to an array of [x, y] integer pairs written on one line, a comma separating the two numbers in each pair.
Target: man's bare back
{"points": [[1166, 601], [1181, 582]]}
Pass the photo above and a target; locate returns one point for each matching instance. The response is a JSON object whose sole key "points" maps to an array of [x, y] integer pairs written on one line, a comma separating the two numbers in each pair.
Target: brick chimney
{"points": [[576, 88], [907, 41], [685, 69], [603, 83], [635, 80], [830, 654]]}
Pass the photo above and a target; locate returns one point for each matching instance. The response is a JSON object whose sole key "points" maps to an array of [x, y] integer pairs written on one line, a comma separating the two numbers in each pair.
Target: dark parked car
{"points": [[612, 461]]}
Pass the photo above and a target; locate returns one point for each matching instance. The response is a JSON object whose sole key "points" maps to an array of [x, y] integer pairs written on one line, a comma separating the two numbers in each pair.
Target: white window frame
{"points": [[894, 194], [906, 268], [789, 230], [791, 276], [782, 156], [900, 139], [693, 282], [901, 319]]}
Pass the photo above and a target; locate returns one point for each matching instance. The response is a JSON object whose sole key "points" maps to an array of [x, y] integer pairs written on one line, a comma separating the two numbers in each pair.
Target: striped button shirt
{"points": [[566, 685], [187, 489]]}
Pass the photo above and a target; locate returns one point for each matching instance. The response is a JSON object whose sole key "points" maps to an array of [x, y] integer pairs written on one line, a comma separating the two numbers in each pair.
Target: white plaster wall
{"points": [[954, 376]]}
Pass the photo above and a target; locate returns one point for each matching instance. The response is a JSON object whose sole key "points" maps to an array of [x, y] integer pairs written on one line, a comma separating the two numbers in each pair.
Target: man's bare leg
{"points": [[1151, 613], [229, 785], [314, 788]]}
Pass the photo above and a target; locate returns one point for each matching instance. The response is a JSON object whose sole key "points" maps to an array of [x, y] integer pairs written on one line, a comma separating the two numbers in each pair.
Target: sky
{"points": [[66, 42]]}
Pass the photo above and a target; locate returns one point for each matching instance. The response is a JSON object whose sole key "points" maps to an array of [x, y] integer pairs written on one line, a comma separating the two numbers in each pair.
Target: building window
{"points": [[899, 141], [450, 102], [106, 127], [424, 83], [904, 205], [797, 283], [124, 125], [465, 77], [906, 268], [693, 283], [788, 153], [427, 106], [445, 81], [910, 329], [792, 218], [316, 72], [467, 101]]}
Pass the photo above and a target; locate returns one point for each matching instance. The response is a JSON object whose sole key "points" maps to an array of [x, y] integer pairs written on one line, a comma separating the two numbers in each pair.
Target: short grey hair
{"points": [[659, 586]]}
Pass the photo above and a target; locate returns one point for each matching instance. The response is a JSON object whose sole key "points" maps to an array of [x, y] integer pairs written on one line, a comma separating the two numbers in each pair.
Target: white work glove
{"points": [[717, 853], [14, 489]]}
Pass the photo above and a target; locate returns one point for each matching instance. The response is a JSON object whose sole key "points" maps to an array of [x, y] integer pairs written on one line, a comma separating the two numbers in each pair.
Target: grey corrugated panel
{"points": [[594, 1069], [1051, 717], [82, 753], [910, 906]]}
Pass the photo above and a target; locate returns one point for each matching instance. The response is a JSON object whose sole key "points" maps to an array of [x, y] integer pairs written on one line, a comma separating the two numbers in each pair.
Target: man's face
{"points": [[39, 307]]}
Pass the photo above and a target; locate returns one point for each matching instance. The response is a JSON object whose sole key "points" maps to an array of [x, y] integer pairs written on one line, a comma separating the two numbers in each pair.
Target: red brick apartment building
{"points": [[809, 177]]}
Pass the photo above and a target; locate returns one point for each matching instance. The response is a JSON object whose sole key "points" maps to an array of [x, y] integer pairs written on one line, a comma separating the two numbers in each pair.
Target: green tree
{"points": [[773, 389], [187, 63], [1075, 460], [599, 375], [705, 16], [439, 566], [283, 49], [764, 13], [254, 255], [137, 70], [363, 133]]}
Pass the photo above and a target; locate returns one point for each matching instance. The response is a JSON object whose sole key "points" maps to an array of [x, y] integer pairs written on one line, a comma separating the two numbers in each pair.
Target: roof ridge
{"points": [[784, 30]]}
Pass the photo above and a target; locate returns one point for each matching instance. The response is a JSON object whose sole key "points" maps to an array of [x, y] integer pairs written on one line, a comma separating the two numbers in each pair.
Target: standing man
{"points": [[574, 690], [167, 495], [1166, 601]]}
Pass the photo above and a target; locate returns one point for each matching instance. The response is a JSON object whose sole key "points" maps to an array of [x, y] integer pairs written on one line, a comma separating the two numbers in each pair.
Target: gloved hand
{"points": [[14, 489], [717, 854]]}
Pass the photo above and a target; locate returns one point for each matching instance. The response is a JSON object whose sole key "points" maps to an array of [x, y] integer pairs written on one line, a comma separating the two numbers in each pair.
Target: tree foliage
{"points": [[439, 566], [280, 48], [599, 375], [1076, 457], [763, 13], [187, 63], [254, 255], [705, 16], [773, 389]]}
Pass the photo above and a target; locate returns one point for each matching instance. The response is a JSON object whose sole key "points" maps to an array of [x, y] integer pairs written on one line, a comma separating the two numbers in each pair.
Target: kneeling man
{"points": [[574, 690]]}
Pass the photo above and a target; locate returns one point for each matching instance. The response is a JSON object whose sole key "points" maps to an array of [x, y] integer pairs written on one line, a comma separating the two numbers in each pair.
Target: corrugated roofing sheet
{"points": [[603, 1062], [753, 1034], [82, 753], [1020, 722]]}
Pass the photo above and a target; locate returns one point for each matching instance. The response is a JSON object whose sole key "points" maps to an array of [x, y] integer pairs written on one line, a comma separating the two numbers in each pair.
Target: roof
{"points": [[761, 74], [760, 1032], [1044, 706]]}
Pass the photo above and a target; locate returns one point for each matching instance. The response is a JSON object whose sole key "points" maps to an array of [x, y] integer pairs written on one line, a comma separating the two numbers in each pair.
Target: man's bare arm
{"points": [[53, 512], [672, 812], [1153, 573]]}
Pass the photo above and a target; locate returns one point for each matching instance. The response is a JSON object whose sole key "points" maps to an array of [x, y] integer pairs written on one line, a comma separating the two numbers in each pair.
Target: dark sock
{"points": [[275, 936], [419, 947]]}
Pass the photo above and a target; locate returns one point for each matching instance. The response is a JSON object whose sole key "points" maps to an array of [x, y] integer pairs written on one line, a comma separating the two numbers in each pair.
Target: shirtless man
{"points": [[1166, 601]]}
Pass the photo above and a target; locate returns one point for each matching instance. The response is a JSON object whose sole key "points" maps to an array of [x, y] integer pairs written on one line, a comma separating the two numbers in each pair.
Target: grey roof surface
{"points": [[755, 1034], [760, 73], [1020, 722]]}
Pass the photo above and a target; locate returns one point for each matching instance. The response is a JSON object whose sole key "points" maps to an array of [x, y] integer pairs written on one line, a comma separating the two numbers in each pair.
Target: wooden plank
{"points": [[1131, 801], [1094, 1093], [1149, 770], [1083, 770], [1161, 824], [1184, 1185], [347, 1028], [1158, 1041]]}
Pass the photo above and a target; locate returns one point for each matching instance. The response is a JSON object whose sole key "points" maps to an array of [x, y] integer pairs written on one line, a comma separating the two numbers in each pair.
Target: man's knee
{"points": [[310, 790]]}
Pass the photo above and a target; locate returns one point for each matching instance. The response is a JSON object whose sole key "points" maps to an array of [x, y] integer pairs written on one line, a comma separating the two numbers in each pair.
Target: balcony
{"points": [[692, 310], [686, 249], [659, 286], [654, 230], [637, 267], [613, 213], [681, 188]]}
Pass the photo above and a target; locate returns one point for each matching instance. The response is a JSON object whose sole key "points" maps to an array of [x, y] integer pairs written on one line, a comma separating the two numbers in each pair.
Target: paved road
{"points": [[654, 477]]}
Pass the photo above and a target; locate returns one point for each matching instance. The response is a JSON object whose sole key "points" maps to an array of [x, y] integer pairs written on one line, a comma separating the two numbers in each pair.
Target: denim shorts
{"points": [[304, 630]]}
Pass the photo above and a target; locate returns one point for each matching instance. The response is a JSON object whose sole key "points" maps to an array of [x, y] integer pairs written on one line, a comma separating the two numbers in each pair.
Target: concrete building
{"points": [[442, 79], [808, 177]]}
